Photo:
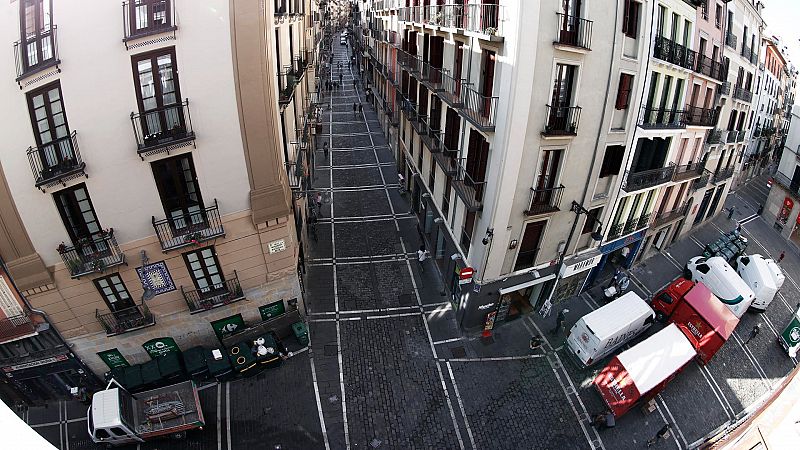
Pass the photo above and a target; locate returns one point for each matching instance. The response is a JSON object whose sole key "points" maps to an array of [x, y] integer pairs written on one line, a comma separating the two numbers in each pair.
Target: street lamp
{"points": [[597, 236]]}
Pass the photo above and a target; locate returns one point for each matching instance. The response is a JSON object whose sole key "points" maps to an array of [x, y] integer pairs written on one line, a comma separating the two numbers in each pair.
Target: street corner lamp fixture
{"points": [[489, 236], [578, 209], [597, 235]]}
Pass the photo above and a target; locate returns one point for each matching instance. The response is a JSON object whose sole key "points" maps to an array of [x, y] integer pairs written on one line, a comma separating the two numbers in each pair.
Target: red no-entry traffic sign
{"points": [[466, 273]]}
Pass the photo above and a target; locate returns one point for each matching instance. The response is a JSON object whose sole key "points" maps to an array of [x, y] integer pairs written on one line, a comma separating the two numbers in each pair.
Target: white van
{"points": [[763, 276], [604, 330], [723, 282]]}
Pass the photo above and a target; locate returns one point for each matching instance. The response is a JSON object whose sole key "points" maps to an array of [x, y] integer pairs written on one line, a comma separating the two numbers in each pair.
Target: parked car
{"points": [[763, 276], [343, 40], [723, 281]]}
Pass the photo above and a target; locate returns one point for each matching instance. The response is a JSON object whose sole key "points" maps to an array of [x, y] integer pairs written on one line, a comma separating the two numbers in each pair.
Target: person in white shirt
{"points": [[422, 255]]}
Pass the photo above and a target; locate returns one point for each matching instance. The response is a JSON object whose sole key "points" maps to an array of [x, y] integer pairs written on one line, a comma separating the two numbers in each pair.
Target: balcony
{"points": [[125, 320], [479, 18], [731, 136], [574, 32], [730, 40], [37, 53], [287, 80], [430, 136], [420, 124], [16, 327], [710, 68], [469, 189], [645, 179], [725, 89], [561, 120], [545, 201], [714, 136], [685, 172], [451, 91], [740, 136], [163, 129], [742, 94], [447, 160], [92, 254], [747, 53], [432, 77], [628, 227], [662, 118], [701, 182], [479, 109], [674, 53], [56, 162], [141, 19], [701, 117], [193, 228], [722, 175], [214, 296], [665, 217], [411, 63]]}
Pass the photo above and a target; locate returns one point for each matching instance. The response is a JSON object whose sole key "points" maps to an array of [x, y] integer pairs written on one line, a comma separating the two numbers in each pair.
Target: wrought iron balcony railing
{"points": [[674, 53], [714, 136], [451, 91], [623, 228], [163, 129], [141, 19], [432, 77], [287, 80], [722, 175], [665, 217], [125, 320], [193, 228], [685, 172], [731, 136], [561, 120], [37, 53], [701, 182], [469, 189], [645, 179], [703, 117], [56, 161], [215, 295], [731, 40], [447, 160], [479, 109], [662, 118], [545, 201], [747, 53], [742, 94], [574, 31], [92, 254], [710, 68], [16, 327]]}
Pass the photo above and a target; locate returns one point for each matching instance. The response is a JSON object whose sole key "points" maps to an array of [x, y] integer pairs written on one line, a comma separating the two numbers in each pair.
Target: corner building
{"points": [[145, 164]]}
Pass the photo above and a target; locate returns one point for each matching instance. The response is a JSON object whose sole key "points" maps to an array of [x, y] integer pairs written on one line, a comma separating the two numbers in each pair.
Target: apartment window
{"points": [[718, 16], [158, 94], [36, 32], [624, 91], [687, 32], [114, 292], [149, 16], [204, 269], [432, 174], [178, 189], [77, 213], [529, 247], [662, 20], [50, 128], [448, 186], [702, 48], [612, 160], [630, 21], [549, 166], [467, 230], [673, 35], [704, 7], [591, 219]]}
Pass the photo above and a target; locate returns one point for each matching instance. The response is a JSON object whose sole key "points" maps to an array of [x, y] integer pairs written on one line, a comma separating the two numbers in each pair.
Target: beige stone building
{"points": [[149, 159]]}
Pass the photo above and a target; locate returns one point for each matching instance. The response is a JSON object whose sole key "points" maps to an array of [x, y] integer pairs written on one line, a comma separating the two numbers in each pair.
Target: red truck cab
{"points": [[665, 302]]}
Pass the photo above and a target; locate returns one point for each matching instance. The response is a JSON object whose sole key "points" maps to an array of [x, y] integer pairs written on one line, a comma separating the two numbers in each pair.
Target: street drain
{"points": [[458, 352]]}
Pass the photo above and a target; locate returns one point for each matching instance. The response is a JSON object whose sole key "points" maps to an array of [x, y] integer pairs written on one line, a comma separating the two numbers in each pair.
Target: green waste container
{"points": [[133, 378], [220, 369], [194, 360], [169, 366], [300, 333], [151, 377]]}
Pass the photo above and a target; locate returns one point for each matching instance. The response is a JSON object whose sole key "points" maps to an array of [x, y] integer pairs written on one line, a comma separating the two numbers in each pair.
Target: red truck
{"points": [[705, 320]]}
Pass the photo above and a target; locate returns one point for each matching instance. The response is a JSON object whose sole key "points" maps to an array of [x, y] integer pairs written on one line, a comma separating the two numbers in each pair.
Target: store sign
{"points": [[159, 347], [277, 246], [568, 271], [622, 242], [228, 326], [113, 358], [41, 362], [272, 310]]}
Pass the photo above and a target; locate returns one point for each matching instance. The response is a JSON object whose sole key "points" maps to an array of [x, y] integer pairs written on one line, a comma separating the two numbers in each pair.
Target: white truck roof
{"points": [[619, 314], [653, 360], [105, 409]]}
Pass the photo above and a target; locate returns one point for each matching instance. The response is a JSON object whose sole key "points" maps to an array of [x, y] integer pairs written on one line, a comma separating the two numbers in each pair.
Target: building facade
{"points": [[150, 164]]}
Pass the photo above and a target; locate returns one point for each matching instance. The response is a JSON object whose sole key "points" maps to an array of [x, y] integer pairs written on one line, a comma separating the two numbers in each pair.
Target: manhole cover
{"points": [[375, 443], [458, 352], [331, 350]]}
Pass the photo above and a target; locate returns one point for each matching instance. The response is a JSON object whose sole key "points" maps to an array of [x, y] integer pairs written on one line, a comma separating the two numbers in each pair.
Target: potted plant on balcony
{"points": [[194, 238], [491, 31]]}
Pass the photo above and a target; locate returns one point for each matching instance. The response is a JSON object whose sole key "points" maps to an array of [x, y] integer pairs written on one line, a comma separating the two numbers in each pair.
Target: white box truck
{"points": [[763, 276], [722, 280], [597, 334]]}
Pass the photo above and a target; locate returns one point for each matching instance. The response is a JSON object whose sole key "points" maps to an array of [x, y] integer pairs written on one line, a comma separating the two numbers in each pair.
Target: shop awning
{"points": [[517, 287]]}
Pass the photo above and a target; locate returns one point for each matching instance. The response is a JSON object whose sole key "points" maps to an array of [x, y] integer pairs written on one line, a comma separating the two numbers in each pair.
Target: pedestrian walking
{"points": [[360, 108], [325, 150], [738, 230], [354, 83], [562, 315], [340, 77], [401, 181], [663, 433], [603, 420], [753, 333], [780, 257], [318, 201], [730, 212], [422, 255], [760, 209], [355, 107], [536, 342]]}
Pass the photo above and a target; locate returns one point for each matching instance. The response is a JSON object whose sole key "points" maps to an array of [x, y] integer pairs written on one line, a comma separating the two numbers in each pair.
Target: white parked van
{"points": [[604, 330], [763, 276], [723, 282]]}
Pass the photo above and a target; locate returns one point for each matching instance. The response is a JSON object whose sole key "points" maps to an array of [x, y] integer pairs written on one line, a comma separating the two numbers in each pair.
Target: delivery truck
{"points": [[118, 417], [763, 276], [597, 334], [723, 281], [644, 370]]}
